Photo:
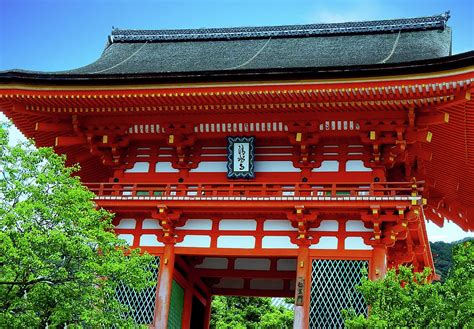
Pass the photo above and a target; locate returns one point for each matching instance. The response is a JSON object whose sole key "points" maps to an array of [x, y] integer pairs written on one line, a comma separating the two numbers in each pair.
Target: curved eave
{"points": [[336, 72]]}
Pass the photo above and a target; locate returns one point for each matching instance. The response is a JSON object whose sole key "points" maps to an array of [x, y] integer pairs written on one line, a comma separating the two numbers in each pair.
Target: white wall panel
{"points": [[149, 240], [239, 242], [215, 263], [139, 167], [286, 264], [165, 167], [253, 264], [126, 237], [357, 226], [278, 225], [356, 243], [127, 223], [150, 224], [266, 284], [327, 226], [196, 241], [196, 224], [275, 242], [325, 242], [211, 166], [328, 166], [275, 166], [238, 224], [232, 283]]}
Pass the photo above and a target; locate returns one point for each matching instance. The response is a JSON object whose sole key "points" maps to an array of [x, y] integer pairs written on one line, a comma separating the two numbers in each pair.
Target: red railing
{"points": [[253, 189]]}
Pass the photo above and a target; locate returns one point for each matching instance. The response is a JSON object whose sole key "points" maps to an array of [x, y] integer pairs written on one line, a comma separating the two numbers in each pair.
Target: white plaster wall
{"points": [[195, 241], [197, 224], [327, 226], [215, 263], [278, 225], [266, 284], [127, 237], [149, 240], [238, 224], [139, 167], [252, 264], [356, 243], [231, 283], [275, 242], [165, 167], [356, 165], [325, 242], [239, 242], [286, 265], [275, 166], [328, 166], [357, 226], [150, 224], [211, 166], [127, 223]]}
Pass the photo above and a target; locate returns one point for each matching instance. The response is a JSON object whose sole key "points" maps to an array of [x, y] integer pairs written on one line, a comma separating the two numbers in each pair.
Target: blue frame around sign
{"points": [[231, 140]]}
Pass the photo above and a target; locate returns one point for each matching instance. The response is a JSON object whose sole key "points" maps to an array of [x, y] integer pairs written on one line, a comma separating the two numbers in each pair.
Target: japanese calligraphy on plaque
{"points": [[299, 299], [240, 157]]}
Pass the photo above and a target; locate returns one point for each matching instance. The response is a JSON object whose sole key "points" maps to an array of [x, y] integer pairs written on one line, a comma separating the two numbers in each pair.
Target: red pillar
{"points": [[303, 285], [188, 306], [378, 264], [165, 282], [207, 312]]}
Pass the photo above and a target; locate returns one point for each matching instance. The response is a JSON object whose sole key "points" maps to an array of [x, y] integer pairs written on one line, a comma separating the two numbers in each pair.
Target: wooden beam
{"points": [[52, 127], [436, 119], [63, 141], [253, 292], [250, 274]]}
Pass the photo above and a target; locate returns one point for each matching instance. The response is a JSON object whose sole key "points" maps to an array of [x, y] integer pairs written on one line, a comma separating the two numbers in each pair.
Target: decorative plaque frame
{"points": [[240, 157]]}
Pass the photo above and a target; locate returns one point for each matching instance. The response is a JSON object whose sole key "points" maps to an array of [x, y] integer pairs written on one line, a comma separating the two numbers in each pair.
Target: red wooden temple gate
{"points": [[362, 131]]}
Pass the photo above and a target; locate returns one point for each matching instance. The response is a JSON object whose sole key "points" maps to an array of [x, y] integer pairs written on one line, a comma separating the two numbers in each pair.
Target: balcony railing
{"points": [[255, 190]]}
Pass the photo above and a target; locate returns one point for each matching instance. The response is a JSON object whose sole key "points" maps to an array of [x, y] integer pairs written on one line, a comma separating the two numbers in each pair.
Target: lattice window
{"points": [[142, 303], [333, 289], [176, 306]]}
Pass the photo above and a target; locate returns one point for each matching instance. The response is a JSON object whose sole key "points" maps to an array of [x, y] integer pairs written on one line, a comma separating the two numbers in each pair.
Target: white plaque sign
{"points": [[240, 156]]}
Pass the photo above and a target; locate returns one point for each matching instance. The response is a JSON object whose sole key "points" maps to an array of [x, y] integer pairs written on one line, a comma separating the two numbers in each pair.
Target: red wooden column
{"points": [[188, 304], [378, 264], [207, 312], [165, 282], [302, 289], [302, 220], [168, 221]]}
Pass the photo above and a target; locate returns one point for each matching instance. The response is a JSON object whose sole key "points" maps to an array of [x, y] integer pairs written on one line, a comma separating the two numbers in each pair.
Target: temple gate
{"points": [[272, 161]]}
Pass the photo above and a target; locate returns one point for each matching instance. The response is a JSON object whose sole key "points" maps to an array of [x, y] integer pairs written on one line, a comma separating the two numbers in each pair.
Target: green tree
{"points": [[249, 313], [60, 261], [408, 299]]}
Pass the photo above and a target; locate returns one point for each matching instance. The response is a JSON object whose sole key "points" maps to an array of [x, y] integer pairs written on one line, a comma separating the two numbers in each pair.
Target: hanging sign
{"points": [[240, 157]]}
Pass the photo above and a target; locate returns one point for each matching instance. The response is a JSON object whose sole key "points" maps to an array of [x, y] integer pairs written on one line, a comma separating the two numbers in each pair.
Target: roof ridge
{"points": [[281, 31]]}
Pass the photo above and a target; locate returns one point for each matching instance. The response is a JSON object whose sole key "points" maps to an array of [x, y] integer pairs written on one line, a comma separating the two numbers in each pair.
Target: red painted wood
{"points": [[303, 270], [165, 280]]}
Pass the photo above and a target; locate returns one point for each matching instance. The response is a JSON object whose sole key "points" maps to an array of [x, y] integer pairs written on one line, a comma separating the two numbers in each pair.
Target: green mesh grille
{"points": [[176, 306], [333, 289], [142, 303]]}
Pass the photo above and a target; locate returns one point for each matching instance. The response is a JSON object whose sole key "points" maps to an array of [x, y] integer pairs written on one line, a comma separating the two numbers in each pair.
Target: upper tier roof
{"points": [[195, 51]]}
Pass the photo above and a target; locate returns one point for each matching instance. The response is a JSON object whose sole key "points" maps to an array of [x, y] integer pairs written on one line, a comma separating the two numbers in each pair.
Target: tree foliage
{"points": [[60, 261], [408, 299], [249, 313]]}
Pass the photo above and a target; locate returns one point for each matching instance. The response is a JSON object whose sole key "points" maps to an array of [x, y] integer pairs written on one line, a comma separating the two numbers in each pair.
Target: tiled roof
{"points": [[308, 30], [317, 47]]}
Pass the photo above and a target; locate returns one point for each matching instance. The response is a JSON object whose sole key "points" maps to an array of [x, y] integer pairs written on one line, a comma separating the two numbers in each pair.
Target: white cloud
{"points": [[15, 136], [448, 233]]}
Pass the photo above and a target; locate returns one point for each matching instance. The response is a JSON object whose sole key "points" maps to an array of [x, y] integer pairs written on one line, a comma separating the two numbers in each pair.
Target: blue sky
{"points": [[63, 34], [53, 35]]}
